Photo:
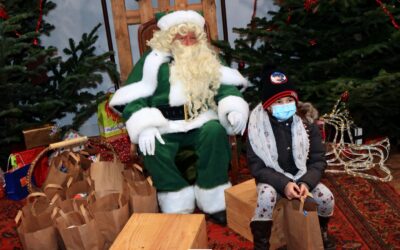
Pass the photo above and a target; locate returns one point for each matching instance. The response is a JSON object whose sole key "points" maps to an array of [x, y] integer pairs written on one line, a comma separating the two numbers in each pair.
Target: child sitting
{"points": [[286, 156]]}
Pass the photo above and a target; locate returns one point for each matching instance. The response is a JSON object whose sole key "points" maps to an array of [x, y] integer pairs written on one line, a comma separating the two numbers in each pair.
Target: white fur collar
{"points": [[231, 76], [147, 85]]}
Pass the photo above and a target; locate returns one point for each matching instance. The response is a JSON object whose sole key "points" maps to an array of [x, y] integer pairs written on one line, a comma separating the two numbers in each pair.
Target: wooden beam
{"points": [[146, 10], [132, 17], [209, 12], [181, 4], [122, 38], [163, 5]]}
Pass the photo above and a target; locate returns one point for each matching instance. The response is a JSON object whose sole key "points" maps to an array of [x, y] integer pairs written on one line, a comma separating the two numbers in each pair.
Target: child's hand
{"points": [[292, 190], [303, 190]]}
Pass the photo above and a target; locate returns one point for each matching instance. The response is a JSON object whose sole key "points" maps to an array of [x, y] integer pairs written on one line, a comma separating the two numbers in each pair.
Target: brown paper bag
{"points": [[37, 203], [36, 230], [111, 212], [68, 205], [277, 238], [302, 228], [51, 190], [134, 172], [79, 230], [62, 167], [80, 191], [142, 195], [107, 176]]}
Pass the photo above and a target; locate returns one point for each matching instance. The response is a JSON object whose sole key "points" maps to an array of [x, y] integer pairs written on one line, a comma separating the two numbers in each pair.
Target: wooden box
{"points": [[163, 231], [241, 202]]}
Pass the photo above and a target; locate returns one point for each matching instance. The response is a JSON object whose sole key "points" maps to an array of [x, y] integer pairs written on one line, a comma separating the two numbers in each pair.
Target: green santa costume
{"points": [[151, 101]]}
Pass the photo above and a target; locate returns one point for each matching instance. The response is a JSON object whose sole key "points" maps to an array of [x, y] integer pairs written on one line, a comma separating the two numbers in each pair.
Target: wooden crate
{"points": [[241, 202], [163, 231]]}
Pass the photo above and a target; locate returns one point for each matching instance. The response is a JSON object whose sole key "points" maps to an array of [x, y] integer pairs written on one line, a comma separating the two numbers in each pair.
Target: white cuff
{"points": [[229, 104], [142, 119], [178, 202], [211, 200]]}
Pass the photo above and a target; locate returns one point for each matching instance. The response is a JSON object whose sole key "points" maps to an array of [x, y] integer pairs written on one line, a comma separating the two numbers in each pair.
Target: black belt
{"points": [[173, 113]]}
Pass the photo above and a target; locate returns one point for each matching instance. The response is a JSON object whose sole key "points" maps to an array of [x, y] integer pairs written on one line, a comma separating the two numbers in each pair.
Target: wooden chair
{"points": [[148, 24], [124, 18]]}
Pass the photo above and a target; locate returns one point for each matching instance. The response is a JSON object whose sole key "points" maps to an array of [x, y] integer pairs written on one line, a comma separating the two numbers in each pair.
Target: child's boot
{"points": [[328, 240], [261, 231]]}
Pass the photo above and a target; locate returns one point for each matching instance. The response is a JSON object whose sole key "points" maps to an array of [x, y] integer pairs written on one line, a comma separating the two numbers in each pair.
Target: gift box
{"points": [[110, 123], [41, 136], [17, 170]]}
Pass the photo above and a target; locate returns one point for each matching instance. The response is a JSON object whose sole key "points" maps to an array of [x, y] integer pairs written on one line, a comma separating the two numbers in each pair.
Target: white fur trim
{"points": [[178, 202], [229, 104], [147, 85], [142, 119], [231, 76], [177, 95], [184, 126], [211, 200], [180, 16]]}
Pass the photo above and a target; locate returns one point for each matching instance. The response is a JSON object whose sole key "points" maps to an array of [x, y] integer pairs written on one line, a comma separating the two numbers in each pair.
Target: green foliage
{"points": [[335, 46], [36, 85]]}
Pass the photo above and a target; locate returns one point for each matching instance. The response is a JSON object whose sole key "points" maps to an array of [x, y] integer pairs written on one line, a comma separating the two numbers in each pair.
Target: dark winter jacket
{"points": [[316, 162]]}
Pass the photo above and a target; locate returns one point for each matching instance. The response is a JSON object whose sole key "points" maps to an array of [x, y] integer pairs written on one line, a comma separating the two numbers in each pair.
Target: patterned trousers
{"points": [[267, 198]]}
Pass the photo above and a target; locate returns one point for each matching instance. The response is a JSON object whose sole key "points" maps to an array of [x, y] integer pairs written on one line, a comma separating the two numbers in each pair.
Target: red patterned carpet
{"points": [[367, 216]]}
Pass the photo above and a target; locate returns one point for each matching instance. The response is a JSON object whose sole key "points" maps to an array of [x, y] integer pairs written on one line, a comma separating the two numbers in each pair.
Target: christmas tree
{"points": [[36, 86], [328, 47]]}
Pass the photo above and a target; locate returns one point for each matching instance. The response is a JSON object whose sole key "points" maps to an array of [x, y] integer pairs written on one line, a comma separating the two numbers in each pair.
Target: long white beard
{"points": [[198, 69]]}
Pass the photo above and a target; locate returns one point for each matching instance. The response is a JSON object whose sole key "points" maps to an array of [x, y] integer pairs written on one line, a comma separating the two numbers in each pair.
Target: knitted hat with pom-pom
{"points": [[275, 85]]}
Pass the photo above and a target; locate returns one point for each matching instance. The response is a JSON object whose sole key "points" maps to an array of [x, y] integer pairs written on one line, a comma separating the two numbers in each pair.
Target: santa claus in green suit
{"points": [[179, 94]]}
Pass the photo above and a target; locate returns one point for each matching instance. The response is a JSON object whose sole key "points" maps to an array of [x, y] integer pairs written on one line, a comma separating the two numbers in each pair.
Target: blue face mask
{"points": [[282, 112]]}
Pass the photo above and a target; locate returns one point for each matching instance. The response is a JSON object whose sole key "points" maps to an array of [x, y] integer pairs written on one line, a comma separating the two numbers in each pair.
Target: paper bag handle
{"points": [[85, 214], [55, 198], [54, 213], [301, 206], [18, 217], [302, 200], [34, 195], [120, 200]]}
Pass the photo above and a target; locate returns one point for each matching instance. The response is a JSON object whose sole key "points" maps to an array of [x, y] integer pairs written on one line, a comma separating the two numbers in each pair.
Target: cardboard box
{"points": [[41, 136], [241, 202], [163, 231]]}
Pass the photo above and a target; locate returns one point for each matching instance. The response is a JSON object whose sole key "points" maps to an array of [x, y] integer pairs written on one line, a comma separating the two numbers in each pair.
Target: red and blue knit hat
{"points": [[276, 85]]}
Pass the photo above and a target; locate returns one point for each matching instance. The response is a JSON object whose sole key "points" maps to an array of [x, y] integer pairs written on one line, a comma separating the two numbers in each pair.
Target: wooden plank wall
{"points": [[123, 18]]}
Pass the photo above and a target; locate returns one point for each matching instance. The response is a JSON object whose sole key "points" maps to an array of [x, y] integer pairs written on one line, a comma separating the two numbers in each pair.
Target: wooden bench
{"points": [[163, 231]]}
